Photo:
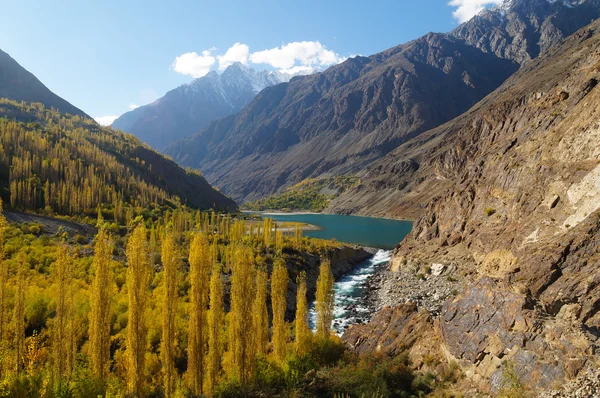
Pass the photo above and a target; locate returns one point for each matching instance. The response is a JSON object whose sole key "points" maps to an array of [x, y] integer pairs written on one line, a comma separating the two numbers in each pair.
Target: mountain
{"points": [[18, 84], [342, 120], [191, 107], [506, 199]]}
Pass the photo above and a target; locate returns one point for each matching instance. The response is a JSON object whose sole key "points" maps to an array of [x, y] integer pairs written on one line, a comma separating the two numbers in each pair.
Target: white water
{"points": [[349, 291]]}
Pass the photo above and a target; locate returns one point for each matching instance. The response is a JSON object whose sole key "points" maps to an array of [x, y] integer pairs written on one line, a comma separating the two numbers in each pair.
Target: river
{"points": [[379, 233]]}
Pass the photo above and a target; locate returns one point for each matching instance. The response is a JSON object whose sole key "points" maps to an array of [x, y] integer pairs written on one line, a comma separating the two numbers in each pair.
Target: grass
{"points": [[308, 195]]}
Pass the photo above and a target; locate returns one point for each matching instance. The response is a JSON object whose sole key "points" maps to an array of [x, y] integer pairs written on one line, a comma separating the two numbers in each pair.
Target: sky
{"points": [[109, 56]]}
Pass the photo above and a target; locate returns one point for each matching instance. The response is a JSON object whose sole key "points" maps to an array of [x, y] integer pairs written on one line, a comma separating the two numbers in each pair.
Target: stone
{"points": [[437, 269]]}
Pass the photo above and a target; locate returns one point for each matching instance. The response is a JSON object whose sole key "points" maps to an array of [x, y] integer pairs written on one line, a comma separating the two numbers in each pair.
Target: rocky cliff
{"points": [[508, 194]]}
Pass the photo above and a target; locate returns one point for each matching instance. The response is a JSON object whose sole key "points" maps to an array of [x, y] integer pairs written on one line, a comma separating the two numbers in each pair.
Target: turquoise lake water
{"points": [[366, 231]]}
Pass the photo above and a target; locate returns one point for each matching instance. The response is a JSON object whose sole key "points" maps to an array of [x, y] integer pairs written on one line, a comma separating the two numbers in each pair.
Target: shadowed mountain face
{"points": [[188, 108], [342, 120], [18, 84]]}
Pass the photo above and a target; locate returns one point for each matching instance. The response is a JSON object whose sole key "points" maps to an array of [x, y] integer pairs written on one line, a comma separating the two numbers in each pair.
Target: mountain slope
{"points": [[340, 121], [18, 84], [71, 165], [191, 107], [515, 210]]}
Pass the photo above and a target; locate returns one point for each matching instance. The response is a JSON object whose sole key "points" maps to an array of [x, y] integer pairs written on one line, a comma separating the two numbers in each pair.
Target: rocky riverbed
{"points": [[428, 290]]}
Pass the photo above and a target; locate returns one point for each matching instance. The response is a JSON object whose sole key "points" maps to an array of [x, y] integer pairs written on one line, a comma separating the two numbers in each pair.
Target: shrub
{"points": [[327, 352], [490, 212]]}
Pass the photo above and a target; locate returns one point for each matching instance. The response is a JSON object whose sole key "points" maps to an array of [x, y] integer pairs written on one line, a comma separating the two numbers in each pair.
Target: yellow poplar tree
{"points": [[279, 285], [138, 275], [200, 266], [63, 332], [215, 323], [100, 311], [242, 288], [325, 300], [303, 333], [260, 315], [279, 241], [167, 349], [3, 276], [19, 312]]}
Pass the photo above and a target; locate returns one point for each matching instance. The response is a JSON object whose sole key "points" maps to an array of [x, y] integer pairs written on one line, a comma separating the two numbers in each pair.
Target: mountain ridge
{"points": [[345, 118], [18, 84], [189, 107]]}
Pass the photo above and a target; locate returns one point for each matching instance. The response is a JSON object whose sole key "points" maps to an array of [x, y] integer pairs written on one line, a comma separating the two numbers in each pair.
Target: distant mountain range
{"points": [[342, 120], [18, 84], [191, 107]]}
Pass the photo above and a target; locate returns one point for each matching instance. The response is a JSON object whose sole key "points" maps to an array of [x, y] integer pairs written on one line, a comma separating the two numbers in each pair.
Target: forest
{"points": [[166, 310], [69, 165]]}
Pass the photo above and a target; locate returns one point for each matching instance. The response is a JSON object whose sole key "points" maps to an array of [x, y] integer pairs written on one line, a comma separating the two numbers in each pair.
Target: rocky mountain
{"points": [[342, 120], [18, 84], [506, 199], [191, 107]]}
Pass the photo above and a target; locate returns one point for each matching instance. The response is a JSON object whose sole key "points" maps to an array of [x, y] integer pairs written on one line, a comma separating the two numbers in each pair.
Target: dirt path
{"points": [[51, 225]]}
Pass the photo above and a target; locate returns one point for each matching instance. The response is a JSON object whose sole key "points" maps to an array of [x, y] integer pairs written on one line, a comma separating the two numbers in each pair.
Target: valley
{"points": [[419, 221]]}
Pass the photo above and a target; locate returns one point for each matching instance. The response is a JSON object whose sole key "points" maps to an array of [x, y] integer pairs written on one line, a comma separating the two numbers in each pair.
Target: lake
{"points": [[365, 231]]}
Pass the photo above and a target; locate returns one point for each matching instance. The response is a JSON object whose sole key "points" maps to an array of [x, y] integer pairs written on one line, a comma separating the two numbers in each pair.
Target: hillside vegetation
{"points": [[70, 165], [310, 195]]}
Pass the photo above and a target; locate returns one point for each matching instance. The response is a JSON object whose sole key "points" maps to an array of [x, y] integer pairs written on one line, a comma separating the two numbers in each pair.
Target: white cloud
{"points": [[194, 65], [466, 9], [236, 53], [106, 120], [133, 106], [299, 70], [304, 54], [292, 58]]}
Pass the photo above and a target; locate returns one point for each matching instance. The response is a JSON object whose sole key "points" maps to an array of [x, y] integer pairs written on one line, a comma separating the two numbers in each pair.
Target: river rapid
{"points": [[351, 291]]}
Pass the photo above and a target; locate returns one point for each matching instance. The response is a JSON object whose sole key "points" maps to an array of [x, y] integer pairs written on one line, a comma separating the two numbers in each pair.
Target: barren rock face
{"points": [[490, 323], [512, 191]]}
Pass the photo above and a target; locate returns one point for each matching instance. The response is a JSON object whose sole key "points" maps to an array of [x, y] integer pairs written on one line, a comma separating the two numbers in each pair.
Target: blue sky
{"points": [[106, 56]]}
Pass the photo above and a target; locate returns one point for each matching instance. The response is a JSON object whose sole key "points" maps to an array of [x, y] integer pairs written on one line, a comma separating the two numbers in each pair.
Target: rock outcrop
{"points": [[509, 194]]}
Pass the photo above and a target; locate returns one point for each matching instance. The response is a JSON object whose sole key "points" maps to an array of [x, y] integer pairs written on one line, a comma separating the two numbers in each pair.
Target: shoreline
{"points": [[306, 212]]}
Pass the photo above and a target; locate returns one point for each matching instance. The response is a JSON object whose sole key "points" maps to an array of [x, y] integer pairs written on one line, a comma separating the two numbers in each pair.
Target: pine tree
{"points": [[63, 333], [303, 333], [242, 286], [170, 264], [324, 300], [279, 286], [260, 315], [215, 323], [100, 311], [200, 266], [19, 312], [138, 275]]}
